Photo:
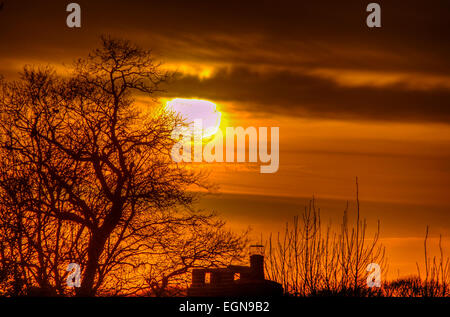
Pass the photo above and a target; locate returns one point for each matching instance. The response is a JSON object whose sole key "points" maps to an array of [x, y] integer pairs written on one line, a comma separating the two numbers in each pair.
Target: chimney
{"points": [[257, 261], [198, 277]]}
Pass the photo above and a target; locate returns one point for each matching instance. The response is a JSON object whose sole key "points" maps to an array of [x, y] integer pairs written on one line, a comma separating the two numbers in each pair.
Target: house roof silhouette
{"points": [[235, 280]]}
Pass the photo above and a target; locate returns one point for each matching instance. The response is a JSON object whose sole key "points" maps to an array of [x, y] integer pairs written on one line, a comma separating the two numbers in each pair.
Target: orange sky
{"points": [[349, 101], [403, 171]]}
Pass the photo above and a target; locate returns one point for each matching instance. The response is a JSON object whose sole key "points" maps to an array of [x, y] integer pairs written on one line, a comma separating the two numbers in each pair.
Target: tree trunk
{"points": [[95, 250]]}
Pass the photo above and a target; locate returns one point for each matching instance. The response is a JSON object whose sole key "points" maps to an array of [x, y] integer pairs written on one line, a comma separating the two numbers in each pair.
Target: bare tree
{"points": [[432, 281], [308, 259], [436, 278], [87, 173], [191, 245]]}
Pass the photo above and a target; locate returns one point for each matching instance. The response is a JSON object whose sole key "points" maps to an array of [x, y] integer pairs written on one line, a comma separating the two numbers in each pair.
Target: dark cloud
{"points": [[288, 39], [304, 95]]}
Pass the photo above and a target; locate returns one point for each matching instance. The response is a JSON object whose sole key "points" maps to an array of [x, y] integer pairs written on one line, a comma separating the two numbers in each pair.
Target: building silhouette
{"points": [[235, 280]]}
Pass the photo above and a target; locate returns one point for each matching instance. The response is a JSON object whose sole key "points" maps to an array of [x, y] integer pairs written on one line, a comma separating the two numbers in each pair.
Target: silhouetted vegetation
{"points": [[86, 176], [311, 260], [433, 282]]}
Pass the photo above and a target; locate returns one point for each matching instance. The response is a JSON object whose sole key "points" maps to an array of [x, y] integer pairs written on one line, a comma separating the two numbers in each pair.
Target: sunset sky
{"points": [[350, 101]]}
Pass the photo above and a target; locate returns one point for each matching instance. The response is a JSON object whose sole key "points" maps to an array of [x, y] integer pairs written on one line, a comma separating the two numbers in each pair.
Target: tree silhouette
{"points": [[86, 174], [309, 259]]}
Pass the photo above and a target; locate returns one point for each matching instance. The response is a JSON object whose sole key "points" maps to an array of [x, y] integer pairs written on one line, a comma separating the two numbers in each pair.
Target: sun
{"points": [[197, 109]]}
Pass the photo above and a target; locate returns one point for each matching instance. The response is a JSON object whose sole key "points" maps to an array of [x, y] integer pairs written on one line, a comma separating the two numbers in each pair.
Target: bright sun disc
{"points": [[195, 109]]}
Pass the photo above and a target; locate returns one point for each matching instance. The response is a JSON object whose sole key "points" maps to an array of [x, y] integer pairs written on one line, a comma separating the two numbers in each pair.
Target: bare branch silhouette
{"points": [[86, 175]]}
